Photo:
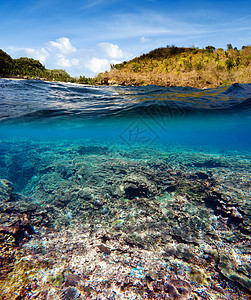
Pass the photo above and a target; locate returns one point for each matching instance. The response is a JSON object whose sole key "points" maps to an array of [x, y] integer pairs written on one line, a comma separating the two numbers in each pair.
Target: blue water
{"points": [[149, 115], [164, 166]]}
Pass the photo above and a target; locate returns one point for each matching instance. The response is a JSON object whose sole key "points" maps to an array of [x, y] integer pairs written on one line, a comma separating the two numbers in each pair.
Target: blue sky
{"points": [[85, 36]]}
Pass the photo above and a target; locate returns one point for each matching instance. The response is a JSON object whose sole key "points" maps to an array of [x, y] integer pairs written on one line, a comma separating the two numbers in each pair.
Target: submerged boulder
{"points": [[5, 191], [237, 270], [136, 186]]}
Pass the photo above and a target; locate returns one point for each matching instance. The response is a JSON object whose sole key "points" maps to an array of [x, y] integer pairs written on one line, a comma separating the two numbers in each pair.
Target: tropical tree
{"points": [[210, 49]]}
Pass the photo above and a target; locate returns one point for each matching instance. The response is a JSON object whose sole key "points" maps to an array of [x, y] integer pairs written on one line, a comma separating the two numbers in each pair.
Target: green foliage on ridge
{"points": [[5, 63], [165, 66], [29, 68], [180, 66]]}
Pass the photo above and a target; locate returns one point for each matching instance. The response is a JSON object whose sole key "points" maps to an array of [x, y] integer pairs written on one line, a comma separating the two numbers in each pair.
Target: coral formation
{"points": [[91, 221]]}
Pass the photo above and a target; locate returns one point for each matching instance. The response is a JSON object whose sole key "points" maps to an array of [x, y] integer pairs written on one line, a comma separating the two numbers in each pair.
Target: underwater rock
{"points": [[72, 280], [197, 275], [19, 214], [236, 270], [64, 169], [184, 251], [70, 293], [224, 204], [153, 204], [191, 229], [7, 253], [186, 222], [6, 188], [206, 161], [104, 249], [174, 289], [65, 198], [28, 169], [21, 167], [88, 150], [137, 186], [14, 219], [20, 230], [86, 193], [178, 289]]}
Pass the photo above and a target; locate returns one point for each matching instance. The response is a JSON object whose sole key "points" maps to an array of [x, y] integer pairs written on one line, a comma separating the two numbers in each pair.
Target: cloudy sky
{"points": [[85, 36]]}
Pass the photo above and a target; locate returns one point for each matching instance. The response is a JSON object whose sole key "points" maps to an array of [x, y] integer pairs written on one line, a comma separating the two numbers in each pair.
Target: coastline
{"points": [[112, 83], [186, 67], [193, 80], [167, 67], [13, 78]]}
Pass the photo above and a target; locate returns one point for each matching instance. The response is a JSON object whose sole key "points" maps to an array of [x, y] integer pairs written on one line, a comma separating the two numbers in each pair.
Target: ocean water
{"points": [[148, 115], [79, 151]]}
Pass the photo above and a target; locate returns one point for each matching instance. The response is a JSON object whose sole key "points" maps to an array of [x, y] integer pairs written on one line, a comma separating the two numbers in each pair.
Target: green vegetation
{"points": [[210, 49], [166, 66], [6, 63], [179, 66], [86, 80], [29, 68]]}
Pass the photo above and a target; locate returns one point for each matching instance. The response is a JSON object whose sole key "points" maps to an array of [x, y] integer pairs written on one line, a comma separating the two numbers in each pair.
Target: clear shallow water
{"points": [[29, 99], [149, 115], [144, 167], [173, 119]]}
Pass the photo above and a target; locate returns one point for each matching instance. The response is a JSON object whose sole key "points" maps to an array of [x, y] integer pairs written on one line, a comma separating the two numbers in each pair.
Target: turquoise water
{"points": [[169, 119], [148, 115], [161, 167]]}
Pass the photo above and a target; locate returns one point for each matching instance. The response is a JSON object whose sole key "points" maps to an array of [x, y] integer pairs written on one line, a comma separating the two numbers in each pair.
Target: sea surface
{"points": [[166, 166], [149, 115]]}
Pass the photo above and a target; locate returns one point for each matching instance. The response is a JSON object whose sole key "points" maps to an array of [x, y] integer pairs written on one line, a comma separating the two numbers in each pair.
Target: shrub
{"points": [[187, 65], [229, 63], [210, 49], [136, 67], [198, 66]]}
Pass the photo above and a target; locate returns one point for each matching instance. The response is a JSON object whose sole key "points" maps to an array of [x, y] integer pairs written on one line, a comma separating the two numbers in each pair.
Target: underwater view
{"points": [[124, 192]]}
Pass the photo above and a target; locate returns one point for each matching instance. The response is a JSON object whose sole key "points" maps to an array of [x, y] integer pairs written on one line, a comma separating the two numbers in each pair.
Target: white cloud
{"points": [[39, 54], [144, 39], [61, 54], [62, 61], [97, 65], [111, 50], [75, 61], [63, 45]]}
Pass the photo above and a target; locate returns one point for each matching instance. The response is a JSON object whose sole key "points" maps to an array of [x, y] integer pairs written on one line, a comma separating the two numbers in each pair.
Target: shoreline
{"points": [[122, 85]]}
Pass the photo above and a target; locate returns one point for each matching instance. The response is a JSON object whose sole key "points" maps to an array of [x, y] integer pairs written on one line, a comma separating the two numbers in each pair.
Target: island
{"points": [[165, 66], [179, 66]]}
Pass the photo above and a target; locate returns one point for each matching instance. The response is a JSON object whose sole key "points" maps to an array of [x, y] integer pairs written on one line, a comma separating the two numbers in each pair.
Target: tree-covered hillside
{"points": [[6, 63], [167, 66], [29, 68], [179, 66]]}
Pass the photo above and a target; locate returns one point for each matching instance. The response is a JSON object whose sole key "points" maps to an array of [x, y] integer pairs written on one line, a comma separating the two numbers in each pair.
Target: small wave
{"points": [[31, 99], [243, 105], [235, 89]]}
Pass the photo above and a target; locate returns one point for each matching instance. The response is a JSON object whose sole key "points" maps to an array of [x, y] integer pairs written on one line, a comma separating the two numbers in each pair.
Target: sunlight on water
{"points": [[177, 115], [126, 184]]}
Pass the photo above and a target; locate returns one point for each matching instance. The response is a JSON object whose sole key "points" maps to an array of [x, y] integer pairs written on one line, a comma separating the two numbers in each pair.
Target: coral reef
{"points": [[85, 220]]}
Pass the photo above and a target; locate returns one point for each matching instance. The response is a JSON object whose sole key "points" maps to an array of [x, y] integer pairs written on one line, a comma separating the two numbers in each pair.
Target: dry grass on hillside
{"points": [[195, 68]]}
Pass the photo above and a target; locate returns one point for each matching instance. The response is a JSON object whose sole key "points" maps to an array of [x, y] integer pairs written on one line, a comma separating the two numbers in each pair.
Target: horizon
{"points": [[85, 38]]}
